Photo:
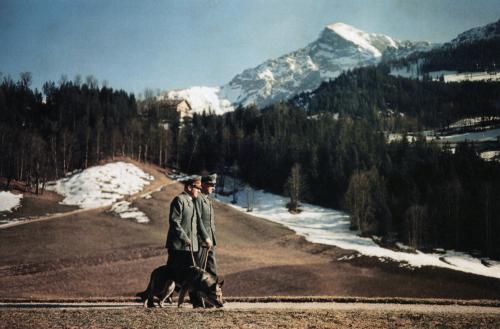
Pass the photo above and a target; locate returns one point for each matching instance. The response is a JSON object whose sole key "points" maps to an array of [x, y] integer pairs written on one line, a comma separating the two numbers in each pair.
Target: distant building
{"points": [[168, 112], [181, 106]]}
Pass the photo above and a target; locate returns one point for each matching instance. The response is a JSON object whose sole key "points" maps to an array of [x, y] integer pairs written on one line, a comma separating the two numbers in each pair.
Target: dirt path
{"points": [[442, 306], [250, 315], [450, 307]]}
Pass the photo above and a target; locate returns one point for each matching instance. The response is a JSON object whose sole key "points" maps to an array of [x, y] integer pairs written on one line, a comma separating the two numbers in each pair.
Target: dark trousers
{"points": [[211, 263], [180, 261]]}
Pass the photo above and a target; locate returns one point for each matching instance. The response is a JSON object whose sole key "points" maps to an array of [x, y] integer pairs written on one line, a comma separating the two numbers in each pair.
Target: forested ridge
{"points": [[417, 193], [401, 104], [472, 56]]}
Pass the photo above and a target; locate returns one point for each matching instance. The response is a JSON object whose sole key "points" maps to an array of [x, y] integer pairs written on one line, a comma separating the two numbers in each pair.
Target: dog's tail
{"points": [[142, 295]]}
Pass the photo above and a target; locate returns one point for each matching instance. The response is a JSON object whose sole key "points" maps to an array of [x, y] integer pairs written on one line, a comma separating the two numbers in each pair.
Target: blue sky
{"points": [[175, 44]]}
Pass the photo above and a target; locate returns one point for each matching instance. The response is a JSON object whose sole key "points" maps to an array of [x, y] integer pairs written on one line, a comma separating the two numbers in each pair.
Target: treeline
{"points": [[401, 104], [416, 193], [72, 125], [480, 55]]}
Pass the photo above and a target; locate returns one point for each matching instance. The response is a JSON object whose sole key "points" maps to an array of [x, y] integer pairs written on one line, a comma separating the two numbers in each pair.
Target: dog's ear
{"points": [[220, 281]]}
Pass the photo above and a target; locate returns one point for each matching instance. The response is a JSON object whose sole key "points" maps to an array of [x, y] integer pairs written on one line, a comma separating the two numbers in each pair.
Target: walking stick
{"points": [[192, 255], [205, 257]]}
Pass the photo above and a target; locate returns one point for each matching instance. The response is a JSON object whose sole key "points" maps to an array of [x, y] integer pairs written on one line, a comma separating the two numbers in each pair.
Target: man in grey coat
{"points": [[206, 211], [185, 228]]}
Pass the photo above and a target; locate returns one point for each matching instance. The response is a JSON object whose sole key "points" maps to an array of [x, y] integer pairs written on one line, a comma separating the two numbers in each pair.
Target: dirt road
{"points": [[248, 315]]}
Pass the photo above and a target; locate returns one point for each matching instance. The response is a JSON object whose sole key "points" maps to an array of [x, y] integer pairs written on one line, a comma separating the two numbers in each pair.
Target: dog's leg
{"points": [[202, 302], [169, 290], [147, 295], [182, 294], [149, 302]]}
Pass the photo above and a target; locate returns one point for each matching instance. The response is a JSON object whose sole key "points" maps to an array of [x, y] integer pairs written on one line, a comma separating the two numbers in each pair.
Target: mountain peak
{"points": [[364, 41], [339, 26]]}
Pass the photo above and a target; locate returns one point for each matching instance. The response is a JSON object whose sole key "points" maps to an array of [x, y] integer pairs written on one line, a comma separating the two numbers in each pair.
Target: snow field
{"points": [[9, 201], [103, 186]]}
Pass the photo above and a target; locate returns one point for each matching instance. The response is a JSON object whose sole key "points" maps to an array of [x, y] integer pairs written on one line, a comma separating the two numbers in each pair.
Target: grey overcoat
{"points": [[206, 211], [184, 224]]}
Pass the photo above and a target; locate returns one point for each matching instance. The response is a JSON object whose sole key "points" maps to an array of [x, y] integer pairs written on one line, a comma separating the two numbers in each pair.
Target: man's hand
{"points": [[188, 243], [209, 243]]}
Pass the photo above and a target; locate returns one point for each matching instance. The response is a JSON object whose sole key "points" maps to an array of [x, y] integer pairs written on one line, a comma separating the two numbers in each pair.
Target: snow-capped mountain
{"points": [[478, 33], [339, 47]]}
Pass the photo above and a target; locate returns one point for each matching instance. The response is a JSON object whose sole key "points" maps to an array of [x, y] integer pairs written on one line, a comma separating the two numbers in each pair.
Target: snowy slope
{"points": [[331, 227], [339, 47], [9, 201], [103, 186], [100, 185]]}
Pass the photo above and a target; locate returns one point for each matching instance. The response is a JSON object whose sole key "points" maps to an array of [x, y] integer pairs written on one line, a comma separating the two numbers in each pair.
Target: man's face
{"points": [[207, 188], [194, 189]]}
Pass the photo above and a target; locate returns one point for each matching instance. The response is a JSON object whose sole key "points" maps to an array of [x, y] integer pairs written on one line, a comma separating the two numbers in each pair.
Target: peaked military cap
{"points": [[192, 180], [209, 179]]}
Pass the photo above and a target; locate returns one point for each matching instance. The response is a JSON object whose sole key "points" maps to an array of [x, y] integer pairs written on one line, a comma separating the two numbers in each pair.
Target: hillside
{"points": [[97, 254]]}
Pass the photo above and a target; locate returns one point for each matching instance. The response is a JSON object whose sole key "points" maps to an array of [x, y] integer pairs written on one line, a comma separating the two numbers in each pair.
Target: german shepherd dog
{"points": [[161, 285], [194, 280]]}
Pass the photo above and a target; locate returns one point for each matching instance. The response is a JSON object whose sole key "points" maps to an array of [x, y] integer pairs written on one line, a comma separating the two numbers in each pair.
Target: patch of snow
{"points": [[397, 137], [124, 210], [391, 41], [310, 64], [412, 72], [481, 136], [473, 121], [9, 201], [490, 155], [100, 185], [331, 227], [437, 74], [471, 76]]}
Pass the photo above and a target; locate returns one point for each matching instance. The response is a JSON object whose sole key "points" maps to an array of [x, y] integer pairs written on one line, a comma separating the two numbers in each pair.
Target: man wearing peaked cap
{"points": [[206, 211], [185, 228]]}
